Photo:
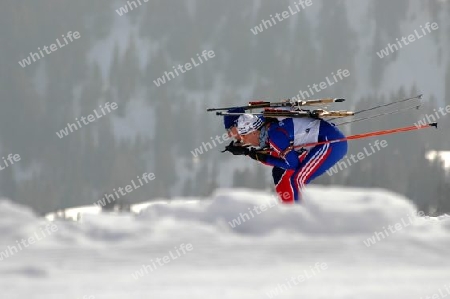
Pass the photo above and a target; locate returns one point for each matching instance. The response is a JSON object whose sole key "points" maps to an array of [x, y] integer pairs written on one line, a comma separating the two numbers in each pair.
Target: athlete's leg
{"points": [[283, 186], [320, 158]]}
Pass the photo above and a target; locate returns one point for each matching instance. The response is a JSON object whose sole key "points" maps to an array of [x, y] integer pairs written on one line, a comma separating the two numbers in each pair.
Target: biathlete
{"points": [[294, 166]]}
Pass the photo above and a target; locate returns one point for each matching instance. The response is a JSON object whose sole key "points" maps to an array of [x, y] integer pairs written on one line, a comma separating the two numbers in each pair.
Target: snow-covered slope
{"points": [[190, 250]]}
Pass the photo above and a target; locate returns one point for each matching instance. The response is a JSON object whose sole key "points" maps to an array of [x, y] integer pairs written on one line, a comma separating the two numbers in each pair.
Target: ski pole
{"points": [[417, 97], [378, 115], [371, 134]]}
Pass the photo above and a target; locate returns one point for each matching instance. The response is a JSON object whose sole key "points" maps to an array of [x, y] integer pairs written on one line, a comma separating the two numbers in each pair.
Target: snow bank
{"points": [[324, 212], [371, 242], [335, 211]]}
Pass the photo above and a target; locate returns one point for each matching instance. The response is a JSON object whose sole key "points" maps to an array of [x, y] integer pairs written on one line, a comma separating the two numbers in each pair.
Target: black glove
{"points": [[236, 150], [255, 155]]}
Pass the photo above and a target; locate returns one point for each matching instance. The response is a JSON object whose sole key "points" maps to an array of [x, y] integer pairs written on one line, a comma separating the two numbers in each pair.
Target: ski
{"points": [[284, 103]]}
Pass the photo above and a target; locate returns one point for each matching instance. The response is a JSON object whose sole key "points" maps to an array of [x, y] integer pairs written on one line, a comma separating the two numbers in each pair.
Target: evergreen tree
{"points": [[334, 15]]}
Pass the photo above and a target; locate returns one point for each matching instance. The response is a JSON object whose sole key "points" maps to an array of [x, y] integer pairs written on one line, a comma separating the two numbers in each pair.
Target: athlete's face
{"points": [[251, 138], [233, 133]]}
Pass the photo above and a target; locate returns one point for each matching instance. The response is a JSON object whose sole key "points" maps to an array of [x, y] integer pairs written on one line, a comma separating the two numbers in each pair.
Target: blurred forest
{"points": [[156, 128]]}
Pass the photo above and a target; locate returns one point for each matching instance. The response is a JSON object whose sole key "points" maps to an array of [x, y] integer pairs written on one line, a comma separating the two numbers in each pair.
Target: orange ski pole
{"points": [[371, 134]]}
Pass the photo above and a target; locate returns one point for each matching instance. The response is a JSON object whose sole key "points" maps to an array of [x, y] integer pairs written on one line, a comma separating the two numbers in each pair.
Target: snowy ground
{"points": [[317, 250]]}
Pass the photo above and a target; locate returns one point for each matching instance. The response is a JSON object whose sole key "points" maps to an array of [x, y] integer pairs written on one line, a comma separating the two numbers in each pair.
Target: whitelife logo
{"points": [[391, 48], [265, 24], [243, 217], [25, 243], [146, 177], [9, 161], [316, 88], [199, 150], [124, 9], [378, 236], [160, 262], [87, 120], [442, 293], [433, 117], [187, 67], [295, 280], [53, 47], [347, 161]]}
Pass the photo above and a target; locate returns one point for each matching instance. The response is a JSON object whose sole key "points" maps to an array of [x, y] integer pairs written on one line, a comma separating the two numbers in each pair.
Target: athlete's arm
{"points": [[281, 144]]}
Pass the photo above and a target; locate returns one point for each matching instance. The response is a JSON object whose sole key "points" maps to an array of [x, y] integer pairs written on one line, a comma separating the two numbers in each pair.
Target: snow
{"points": [[444, 156], [317, 250]]}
